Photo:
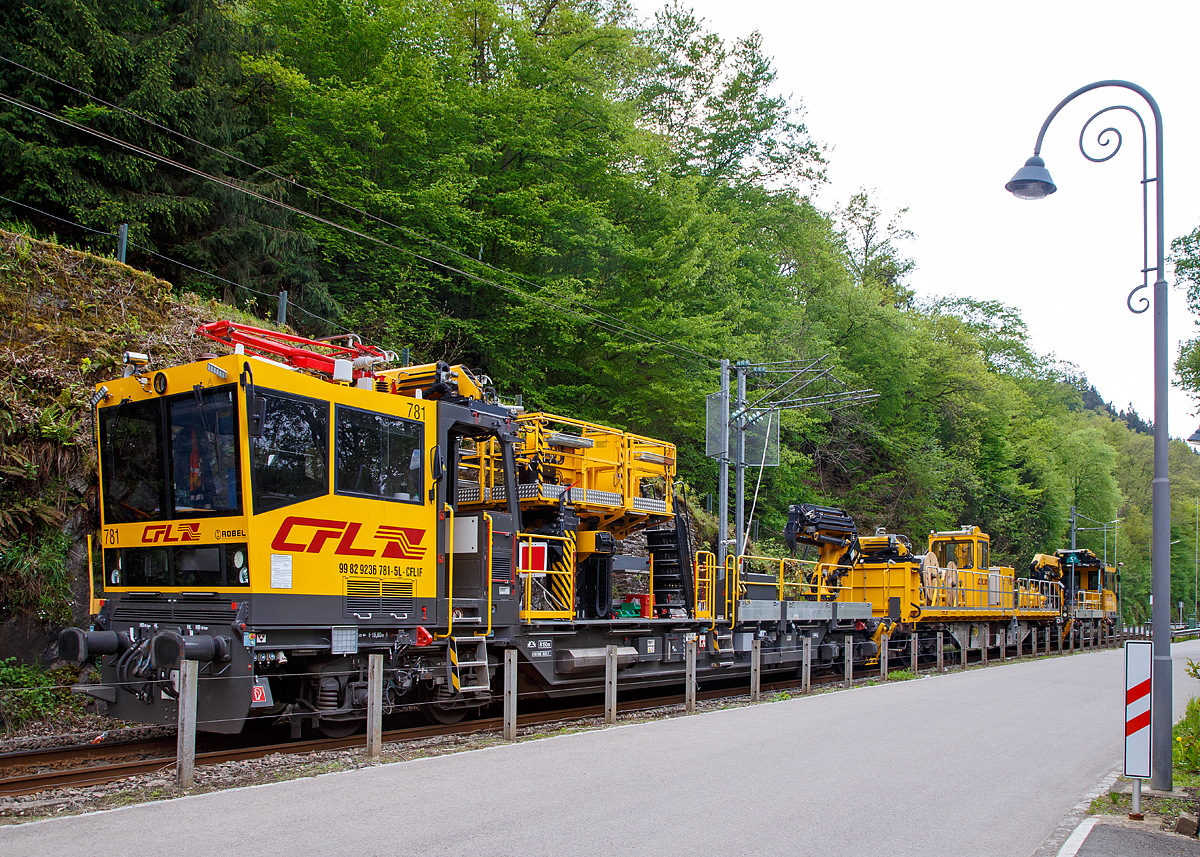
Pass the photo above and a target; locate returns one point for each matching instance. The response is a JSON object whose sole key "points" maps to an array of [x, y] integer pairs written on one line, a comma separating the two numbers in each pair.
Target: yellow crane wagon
{"points": [[1090, 589], [952, 588]]}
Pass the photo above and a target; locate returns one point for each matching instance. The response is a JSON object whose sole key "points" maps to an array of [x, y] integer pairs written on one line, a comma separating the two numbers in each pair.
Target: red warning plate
{"points": [[1139, 662]]}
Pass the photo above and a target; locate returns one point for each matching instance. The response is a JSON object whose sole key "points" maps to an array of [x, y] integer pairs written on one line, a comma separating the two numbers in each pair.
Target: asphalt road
{"points": [[980, 763]]}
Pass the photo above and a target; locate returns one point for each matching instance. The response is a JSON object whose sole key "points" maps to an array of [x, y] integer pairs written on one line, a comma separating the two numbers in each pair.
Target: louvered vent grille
{"points": [[208, 613], [378, 596]]}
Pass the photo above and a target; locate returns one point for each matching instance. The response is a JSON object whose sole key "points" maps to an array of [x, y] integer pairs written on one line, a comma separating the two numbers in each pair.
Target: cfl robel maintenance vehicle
{"points": [[280, 512]]}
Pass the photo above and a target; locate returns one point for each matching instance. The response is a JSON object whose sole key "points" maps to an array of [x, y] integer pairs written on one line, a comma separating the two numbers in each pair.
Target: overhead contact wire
{"points": [[649, 336]]}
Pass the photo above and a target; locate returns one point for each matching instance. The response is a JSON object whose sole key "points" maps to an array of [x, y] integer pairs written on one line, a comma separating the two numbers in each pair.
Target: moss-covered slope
{"points": [[66, 317]]}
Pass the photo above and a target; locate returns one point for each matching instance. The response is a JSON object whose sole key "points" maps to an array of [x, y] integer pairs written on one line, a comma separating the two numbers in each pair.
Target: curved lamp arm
{"points": [[1033, 180]]}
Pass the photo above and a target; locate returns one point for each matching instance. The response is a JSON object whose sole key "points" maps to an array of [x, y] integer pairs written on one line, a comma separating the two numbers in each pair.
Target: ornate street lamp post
{"points": [[1033, 181]]}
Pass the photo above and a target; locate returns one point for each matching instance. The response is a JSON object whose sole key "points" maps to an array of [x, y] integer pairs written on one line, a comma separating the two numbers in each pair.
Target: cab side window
{"points": [[378, 456], [290, 462]]}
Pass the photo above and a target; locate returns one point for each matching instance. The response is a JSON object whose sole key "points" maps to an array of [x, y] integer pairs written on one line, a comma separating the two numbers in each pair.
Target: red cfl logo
{"points": [[309, 535], [156, 533]]}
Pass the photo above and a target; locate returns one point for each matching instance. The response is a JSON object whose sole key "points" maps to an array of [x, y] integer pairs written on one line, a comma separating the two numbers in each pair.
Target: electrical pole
{"points": [[723, 490], [789, 393], [1072, 593], [740, 488]]}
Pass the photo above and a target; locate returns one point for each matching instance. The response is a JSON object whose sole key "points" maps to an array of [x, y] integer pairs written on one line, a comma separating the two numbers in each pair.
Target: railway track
{"points": [[31, 771]]}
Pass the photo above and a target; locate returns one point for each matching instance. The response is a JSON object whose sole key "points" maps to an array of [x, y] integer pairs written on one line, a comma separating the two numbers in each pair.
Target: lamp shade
{"points": [[1032, 181], [1195, 438]]}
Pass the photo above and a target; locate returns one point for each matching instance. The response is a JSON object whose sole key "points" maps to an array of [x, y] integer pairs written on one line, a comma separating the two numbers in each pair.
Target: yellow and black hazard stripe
{"points": [[563, 565], [452, 658]]}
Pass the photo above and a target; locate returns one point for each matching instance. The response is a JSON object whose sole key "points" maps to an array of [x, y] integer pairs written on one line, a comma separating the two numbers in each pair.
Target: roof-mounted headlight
{"points": [[135, 362]]}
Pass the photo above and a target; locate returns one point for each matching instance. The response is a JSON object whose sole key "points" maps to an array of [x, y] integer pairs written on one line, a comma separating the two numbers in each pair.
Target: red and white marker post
{"points": [[1139, 660]]}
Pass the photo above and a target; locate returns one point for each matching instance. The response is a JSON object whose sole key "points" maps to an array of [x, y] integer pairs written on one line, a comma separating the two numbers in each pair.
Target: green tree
{"points": [[150, 68]]}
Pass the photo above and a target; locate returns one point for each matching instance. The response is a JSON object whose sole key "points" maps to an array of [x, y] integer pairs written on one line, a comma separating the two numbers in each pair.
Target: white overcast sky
{"points": [[934, 105]]}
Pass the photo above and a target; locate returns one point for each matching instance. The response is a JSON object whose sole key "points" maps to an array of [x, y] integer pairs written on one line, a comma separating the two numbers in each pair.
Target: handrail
{"points": [[488, 566], [566, 609], [817, 587], [708, 561], [1038, 594], [651, 584], [93, 601], [448, 511], [731, 588]]}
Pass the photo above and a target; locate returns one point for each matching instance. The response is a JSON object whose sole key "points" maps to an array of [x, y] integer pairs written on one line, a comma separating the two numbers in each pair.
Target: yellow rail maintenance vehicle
{"points": [[1090, 590], [951, 588], [274, 514], [278, 513], [979, 603]]}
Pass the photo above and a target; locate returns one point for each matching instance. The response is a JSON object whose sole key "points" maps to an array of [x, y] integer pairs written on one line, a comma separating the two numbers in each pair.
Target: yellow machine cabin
{"points": [[1090, 587]]}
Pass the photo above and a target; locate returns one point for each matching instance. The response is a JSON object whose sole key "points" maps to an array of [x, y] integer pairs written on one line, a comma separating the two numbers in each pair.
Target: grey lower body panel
{"points": [[801, 611]]}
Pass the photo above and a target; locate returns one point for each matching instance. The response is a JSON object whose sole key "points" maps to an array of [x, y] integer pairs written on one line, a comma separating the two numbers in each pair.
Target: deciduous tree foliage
{"points": [[588, 207]]}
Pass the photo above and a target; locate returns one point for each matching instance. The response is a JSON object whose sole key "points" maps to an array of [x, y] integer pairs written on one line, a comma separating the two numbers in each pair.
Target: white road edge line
{"points": [[1075, 840]]}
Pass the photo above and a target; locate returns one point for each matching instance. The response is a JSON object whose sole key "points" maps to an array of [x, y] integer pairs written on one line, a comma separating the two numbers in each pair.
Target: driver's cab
{"points": [[966, 552]]}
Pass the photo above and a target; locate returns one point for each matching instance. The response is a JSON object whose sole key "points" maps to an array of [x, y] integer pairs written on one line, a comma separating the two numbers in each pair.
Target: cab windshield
{"points": [[172, 457], [956, 551]]}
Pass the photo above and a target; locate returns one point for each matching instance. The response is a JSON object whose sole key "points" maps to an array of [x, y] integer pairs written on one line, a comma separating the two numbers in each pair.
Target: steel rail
{"points": [[14, 785]]}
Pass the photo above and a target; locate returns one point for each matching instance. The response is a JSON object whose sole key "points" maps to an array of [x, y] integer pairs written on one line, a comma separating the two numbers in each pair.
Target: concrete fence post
{"points": [[755, 669], [913, 647], [185, 742], [689, 696], [849, 661], [610, 684], [984, 638], [941, 654], [806, 667], [510, 694], [883, 657], [374, 705]]}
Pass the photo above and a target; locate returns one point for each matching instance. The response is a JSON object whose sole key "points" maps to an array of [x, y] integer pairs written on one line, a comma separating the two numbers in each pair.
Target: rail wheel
{"points": [[439, 707], [339, 728]]}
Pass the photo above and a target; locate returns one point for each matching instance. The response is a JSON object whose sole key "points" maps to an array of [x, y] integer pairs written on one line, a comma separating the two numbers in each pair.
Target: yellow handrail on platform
{"points": [[560, 593], [811, 585], [704, 580]]}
